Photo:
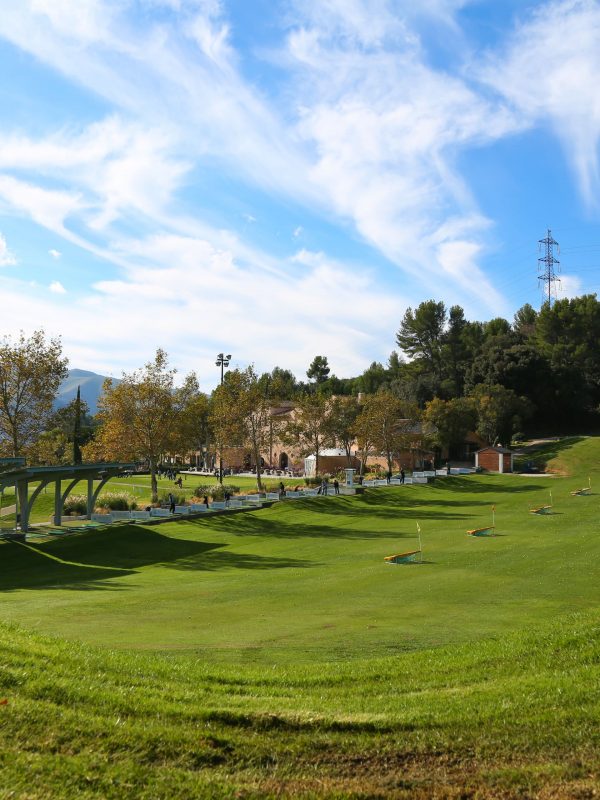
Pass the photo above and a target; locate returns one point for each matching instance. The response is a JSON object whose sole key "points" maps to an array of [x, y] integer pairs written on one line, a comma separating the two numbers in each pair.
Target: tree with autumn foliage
{"points": [[310, 429], [31, 370], [144, 416], [385, 425], [241, 413], [343, 413]]}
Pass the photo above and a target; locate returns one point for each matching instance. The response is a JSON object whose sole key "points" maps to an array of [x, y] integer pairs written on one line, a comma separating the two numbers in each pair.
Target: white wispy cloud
{"points": [[549, 72], [569, 286], [56, 254], [117, 166], [386, 129], [262, 317], [56, 287], [7, 259]]}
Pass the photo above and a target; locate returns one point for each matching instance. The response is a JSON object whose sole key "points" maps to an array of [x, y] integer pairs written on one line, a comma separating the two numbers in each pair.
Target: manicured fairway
{"points": [[273, 653], [306, 579]]}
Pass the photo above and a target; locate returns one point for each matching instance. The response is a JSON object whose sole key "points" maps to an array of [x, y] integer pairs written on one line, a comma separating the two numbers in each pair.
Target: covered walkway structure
{"points": [[21, 477]]}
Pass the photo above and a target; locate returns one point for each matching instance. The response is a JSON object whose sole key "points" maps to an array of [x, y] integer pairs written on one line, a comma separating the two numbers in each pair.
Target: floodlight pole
{"points": [[223, 362]]}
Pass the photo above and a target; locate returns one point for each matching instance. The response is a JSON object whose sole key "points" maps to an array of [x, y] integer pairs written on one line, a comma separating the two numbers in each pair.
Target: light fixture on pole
{"points": [[223, 362]]}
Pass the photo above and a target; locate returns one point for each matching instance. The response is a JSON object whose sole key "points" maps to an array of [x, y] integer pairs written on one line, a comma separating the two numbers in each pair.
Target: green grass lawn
{"points": [[274, 653]]}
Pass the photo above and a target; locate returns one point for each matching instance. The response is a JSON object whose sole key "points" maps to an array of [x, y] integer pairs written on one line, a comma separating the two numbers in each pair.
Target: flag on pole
{"points": [[419, 535], [493, 515]]}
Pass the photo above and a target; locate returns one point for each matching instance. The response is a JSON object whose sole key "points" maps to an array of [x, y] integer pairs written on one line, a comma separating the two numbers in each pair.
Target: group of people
{"points": [[324, 487], [388, 475]]}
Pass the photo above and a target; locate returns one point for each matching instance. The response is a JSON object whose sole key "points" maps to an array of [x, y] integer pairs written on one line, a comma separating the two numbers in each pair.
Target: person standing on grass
{"points": [[388, 475], [336, 486], [171, 503], [206, 500], [402, 475], [281, 489]]}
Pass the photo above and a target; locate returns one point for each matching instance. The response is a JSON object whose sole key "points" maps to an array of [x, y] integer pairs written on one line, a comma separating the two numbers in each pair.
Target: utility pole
{"points": [[547, 262]]}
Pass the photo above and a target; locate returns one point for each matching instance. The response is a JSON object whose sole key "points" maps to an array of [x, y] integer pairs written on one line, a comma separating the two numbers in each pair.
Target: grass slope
{"points": [[513, 717], [273, 653], [306, 580]]}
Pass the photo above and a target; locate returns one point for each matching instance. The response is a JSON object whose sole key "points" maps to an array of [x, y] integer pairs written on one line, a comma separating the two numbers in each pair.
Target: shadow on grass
{"points": [[540, 454], [30, 568], [92, 561], [386, 505], [474, 486], [223, 560], [299, 528]]}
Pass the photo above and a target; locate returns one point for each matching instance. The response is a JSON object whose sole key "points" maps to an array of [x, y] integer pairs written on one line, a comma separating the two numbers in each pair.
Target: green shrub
{"points": [[117, 501], [75, 504]]}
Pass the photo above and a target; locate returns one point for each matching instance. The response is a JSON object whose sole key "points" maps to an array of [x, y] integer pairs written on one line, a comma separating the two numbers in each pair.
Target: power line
{"points": [[547, 263]]}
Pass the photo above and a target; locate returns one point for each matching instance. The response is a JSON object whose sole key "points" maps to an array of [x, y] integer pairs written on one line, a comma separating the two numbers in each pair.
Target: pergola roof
{"points": [[60, 473]]}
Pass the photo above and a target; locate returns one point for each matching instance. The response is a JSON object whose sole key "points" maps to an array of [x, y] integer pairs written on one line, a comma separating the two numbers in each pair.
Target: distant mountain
{"points": [[91, 388]]}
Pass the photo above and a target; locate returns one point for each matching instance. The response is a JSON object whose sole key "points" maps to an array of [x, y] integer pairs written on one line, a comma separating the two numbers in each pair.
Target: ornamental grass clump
{"points": [[117, 501], [164, 500], [75, 505], [216, 491]]}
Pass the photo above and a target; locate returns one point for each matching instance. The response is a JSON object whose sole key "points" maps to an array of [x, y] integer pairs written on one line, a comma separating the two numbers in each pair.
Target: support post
{"points": [[22, 492], [57, 502], [90, 498]]}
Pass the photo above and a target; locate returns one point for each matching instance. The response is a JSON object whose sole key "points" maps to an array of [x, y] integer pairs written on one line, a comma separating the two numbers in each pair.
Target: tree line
{"points": [[540, 372]]}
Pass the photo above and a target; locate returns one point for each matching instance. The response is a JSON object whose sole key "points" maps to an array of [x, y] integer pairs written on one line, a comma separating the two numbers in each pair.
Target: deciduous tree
{"points": [[241, 413], [31, 370], [450, 420], [310, 428], [343, 412], [143, 417], [500, 412], [385, 426]]}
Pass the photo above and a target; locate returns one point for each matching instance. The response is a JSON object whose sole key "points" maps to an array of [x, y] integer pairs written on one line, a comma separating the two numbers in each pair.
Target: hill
{"points": [[274, 654], [91, 388]]}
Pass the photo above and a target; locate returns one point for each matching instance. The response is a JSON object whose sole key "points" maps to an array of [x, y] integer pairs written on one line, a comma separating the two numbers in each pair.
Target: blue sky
{"points": [[283, 179]]}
